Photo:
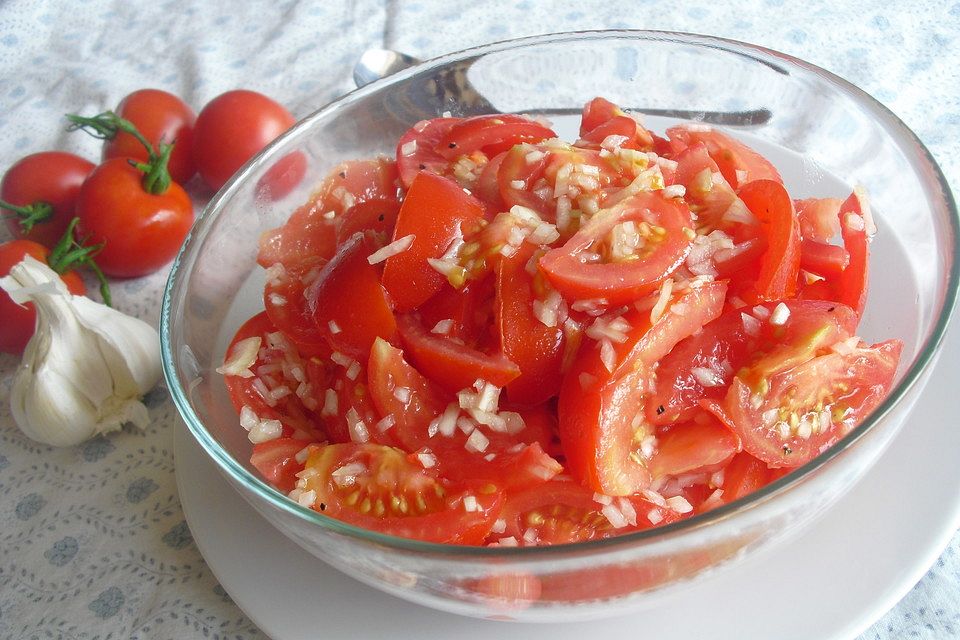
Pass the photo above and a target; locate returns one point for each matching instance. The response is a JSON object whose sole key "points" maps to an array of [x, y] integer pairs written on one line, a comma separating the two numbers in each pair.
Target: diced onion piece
{"points": [[242, 357], [427, 459], [408, 148], [666, 289], [780, 315], [477, 442], [679, 504], [265, 430], [397, 246]]}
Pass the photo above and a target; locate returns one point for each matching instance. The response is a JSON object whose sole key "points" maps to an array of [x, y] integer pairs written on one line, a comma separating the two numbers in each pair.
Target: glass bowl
{"points": [[823, 133]]}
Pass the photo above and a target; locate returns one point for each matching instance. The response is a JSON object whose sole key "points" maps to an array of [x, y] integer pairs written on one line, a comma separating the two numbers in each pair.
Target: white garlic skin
{"points": [[86, 366]]}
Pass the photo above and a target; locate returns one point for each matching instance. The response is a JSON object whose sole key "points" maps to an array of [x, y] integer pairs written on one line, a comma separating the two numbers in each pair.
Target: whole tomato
{"points": [[141, 231], [160, 117], [231, 129], [43, 187], [19, 322]]}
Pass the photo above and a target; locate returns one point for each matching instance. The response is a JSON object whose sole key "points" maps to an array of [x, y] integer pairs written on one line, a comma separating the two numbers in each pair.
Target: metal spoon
{"points": [[452, 87]]}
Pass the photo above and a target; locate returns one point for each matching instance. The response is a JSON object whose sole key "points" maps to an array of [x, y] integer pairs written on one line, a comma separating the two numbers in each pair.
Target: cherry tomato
{"points": [[51, 177], [436, 212], [160, 117], [378, 488], [141, 231], [490, 134], [622, 252], [602, 426], [231, 129], [18, 323]]}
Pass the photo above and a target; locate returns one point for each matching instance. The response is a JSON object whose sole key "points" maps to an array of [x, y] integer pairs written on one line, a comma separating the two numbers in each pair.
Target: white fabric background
{"points": [[93, 544]]}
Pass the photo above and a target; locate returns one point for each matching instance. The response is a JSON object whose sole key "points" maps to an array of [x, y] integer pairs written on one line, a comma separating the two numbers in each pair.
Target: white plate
{"points": [[856, 563]]}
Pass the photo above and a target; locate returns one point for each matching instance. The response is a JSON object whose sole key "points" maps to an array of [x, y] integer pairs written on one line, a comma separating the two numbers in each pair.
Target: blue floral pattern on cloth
{"points": [[93, 543]]}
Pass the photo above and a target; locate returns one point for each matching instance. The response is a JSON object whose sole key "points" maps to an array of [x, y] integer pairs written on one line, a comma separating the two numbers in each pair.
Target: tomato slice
{"points": [[738, 163], [769, 201], [491, 134], [436, 212], [537, 349], [487, 187], [277, 463], [274, 395], [469, 311], [702, 445], [311, 231], [348, 303], [622, 252], [602, 425], [417, 149], [286, 305], [378, 488], [452, 365], [564, 512], [791, 414], [707, 192], [823, 259], [400, 390]]}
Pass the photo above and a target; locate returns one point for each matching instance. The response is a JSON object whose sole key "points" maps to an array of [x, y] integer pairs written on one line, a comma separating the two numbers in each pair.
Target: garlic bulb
{"points": [[86, 366]]}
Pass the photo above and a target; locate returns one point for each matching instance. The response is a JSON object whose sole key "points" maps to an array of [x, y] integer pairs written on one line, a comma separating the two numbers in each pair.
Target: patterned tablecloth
{"points": [[93, 543]]}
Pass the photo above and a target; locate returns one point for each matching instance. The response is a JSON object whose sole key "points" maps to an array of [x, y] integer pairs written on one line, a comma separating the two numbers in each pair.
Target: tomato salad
{"points": [[502, 338]]}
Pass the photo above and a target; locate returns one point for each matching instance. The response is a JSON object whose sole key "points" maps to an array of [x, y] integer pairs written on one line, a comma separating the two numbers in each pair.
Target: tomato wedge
{"points": [[418, 407], [452, 365], [622, 252], [793, 413], [286, 305], [490, 134], [277, 463], [417, 149], [537, 349], [602, 118], [436, 212], [564, 512], [738, 163], [702, 445], [349, 306], [769, 201], [602, 425], [378, 488]]}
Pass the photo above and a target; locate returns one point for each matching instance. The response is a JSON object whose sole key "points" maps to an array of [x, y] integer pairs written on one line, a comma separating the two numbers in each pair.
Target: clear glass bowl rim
{"points": [[762, 55]]}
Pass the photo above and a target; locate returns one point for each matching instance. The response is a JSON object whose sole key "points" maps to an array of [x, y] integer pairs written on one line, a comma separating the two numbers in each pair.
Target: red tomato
{"points": [[744, 475], [819, 218], [231, 129], [738, 163], [379, 216], [487, 187], [563, 512], [377, 488], [787, 413], [709, 195], [615, 274], [602, 426], [452, 365], [490, 134], [298, 414], [160, 117], [276, 461], [349, 305], [823, 259], [536, 348], [436, 212], [702, 445], [141, 231], [417, 149], [355, 412], [731, 342], [469, 309], [19, 322], [283, 177], [769, 201], [50, 177]]}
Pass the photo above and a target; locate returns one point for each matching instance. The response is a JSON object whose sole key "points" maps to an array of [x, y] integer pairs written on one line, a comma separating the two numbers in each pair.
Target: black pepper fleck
{"points": [[323, 506], [343, 174], [660, 410]]}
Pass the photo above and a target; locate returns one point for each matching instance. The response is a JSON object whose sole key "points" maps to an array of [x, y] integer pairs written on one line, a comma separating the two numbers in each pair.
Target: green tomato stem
{"points": [[68, 254], [30, 214]]}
